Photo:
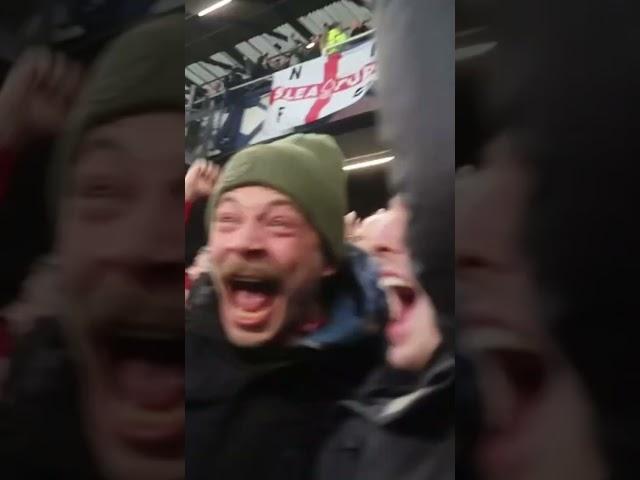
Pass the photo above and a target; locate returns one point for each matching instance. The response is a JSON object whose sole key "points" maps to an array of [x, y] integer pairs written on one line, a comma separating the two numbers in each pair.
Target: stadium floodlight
{"points": [[214, 7], [368, 163]]}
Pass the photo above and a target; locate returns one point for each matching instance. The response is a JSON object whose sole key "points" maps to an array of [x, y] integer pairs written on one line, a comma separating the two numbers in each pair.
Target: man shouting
{"points": [[294, 323]]}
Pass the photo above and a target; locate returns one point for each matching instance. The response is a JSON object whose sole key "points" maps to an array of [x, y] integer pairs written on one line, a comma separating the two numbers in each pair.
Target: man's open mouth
{"points": [[401, 297], [252, 297], [513, 372], [143, 369]]}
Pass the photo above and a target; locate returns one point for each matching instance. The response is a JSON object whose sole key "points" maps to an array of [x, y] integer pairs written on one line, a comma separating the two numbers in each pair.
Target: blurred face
{"points": [[538, 418], [267, 266], [411, 332], [200, 265], [121, 247]]}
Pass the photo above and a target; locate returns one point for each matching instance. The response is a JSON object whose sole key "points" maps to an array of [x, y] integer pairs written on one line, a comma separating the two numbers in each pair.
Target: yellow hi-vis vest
{"points": [[335, 36]]}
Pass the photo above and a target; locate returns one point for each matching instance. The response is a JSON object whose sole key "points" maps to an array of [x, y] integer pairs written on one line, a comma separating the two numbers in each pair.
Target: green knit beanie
{"points": [[142, 71], [307, 169]]}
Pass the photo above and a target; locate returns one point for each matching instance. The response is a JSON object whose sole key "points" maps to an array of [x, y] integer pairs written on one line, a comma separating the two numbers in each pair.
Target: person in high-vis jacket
{"points": [[335, 36]]}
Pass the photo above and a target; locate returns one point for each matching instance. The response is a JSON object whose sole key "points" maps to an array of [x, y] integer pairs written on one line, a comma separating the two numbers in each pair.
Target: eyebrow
{"points": [[270, 205], [280, 203], [100, 144], [227, 199]]}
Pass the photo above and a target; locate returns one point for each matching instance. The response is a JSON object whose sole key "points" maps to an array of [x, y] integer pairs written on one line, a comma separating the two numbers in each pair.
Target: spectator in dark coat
{"points": [[262, 66], [529, 391], [399, 425], [416, 54], [566, 102], [292, 324]]}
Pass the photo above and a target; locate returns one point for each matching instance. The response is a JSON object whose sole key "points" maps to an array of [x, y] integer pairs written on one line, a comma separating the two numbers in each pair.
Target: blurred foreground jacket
{"points": [[417, 86], [42, 434], [416, 56], [263, 413], [399, 426], [569, 81]]}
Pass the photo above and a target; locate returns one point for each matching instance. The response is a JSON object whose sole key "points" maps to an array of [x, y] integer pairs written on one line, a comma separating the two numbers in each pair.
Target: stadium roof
{"points": [[79, 28], [252, 28]]}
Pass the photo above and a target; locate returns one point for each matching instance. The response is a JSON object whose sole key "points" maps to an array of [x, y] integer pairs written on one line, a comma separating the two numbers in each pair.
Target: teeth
{"points": [[394, 304], [249, 279], [388, 282], [481, 339], [248, 314]]}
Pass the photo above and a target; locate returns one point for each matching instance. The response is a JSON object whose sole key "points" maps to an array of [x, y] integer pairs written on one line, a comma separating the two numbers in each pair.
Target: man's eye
{"points": [[97, 191], [227, 218], [99, 187], [282, 224], [278, 222], [100, 198]]}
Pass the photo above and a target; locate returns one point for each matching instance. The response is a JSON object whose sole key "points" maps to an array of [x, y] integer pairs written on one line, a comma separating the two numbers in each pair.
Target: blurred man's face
{"points": [[121, 245], [538, 417], [412, 332], [267, 265]]}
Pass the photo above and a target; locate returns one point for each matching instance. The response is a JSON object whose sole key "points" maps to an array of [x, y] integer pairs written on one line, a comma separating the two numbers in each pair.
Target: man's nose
{"points": [[151, 245], [380, 248], [163, 233], [250, 240]]}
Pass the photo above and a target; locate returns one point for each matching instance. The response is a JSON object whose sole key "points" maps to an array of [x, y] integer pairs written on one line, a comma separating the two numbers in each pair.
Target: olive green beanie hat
{"points": [[305, 167], [141, 71]]}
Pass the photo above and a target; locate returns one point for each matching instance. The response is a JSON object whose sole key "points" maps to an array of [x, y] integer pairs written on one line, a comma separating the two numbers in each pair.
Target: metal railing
{"points": [[339, 46]]}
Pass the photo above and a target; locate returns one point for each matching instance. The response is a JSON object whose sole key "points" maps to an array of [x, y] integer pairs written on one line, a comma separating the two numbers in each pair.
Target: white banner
{"points": [[312, 90]]}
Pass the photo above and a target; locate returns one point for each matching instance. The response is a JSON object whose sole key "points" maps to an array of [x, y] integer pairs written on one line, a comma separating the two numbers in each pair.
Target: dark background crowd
{"points": [[266, 64]]}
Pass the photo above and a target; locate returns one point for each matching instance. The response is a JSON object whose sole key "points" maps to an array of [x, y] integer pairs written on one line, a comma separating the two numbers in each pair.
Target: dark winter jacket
{"points": [[263, 413], [42, 432], [400, 426]]}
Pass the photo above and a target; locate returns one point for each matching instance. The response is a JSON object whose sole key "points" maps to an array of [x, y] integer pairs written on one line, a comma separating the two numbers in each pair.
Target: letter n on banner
{"points": [[296, 72]]}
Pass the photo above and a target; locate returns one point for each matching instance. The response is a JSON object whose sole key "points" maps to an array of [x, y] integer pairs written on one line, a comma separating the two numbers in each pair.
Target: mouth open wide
{"points": [[513, 374], [144, 371], [401, 297], [252, 298]]}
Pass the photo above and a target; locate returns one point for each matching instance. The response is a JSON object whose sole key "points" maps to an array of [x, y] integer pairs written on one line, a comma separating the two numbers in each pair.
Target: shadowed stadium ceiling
{"points": [[12, 14], [77, 27], [238, 22], [253, 27]]}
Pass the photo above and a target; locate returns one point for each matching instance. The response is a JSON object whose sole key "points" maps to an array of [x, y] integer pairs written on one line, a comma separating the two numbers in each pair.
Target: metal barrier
{"points": [[249, 83]]}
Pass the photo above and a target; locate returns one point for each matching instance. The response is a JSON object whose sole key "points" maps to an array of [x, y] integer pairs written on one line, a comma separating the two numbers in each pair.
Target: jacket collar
{"points": [[357, 306], [390, 396]]}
